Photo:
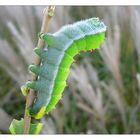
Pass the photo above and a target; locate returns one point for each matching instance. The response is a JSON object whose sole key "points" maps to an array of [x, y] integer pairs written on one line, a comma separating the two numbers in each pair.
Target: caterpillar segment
{"points": [[56, 59]]}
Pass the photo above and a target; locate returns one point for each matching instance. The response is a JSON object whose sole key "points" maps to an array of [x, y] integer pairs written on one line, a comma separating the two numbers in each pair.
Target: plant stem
{"points": [[48, 14]]}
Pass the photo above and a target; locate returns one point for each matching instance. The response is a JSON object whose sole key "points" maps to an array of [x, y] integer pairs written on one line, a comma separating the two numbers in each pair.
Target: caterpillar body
{"points": [[56, 59]]}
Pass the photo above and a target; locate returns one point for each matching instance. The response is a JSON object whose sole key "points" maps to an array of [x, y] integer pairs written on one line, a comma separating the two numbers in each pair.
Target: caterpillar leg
{"points": [[40, 35], [24, 90], [47, 37]]}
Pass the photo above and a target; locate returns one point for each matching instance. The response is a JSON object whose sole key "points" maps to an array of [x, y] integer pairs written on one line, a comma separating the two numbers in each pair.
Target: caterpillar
{"points": [[56, 59]]}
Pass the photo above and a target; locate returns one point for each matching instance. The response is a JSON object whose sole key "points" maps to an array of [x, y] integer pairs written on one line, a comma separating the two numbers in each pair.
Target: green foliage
{"points": [[16, 127]]}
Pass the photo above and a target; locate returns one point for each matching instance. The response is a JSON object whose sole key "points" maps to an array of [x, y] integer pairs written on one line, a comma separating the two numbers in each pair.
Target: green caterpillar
{"points": [[56, 59]]}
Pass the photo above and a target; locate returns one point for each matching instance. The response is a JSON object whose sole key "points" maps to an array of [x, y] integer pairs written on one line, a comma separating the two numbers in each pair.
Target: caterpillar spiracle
{"points": [[56, 59]]}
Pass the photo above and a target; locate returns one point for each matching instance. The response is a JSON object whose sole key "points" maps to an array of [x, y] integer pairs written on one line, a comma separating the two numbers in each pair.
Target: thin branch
{"points": [[48, 14]]}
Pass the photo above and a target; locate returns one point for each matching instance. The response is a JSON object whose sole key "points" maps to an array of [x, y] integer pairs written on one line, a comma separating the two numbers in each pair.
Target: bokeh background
{"points": [[103, 93]]}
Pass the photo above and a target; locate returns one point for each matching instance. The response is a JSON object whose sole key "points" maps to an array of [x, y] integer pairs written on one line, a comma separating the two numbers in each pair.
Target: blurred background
{"points": [[103, 93]]}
